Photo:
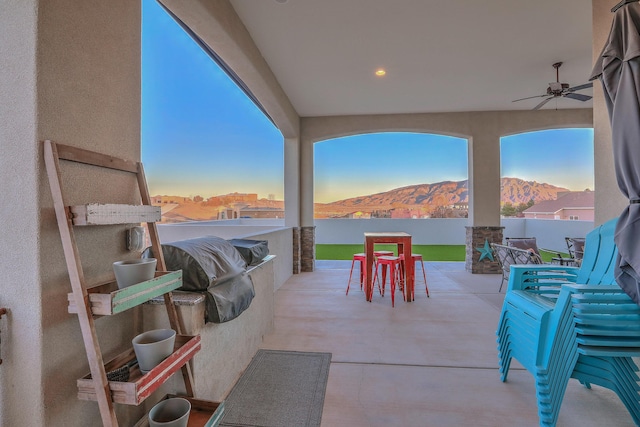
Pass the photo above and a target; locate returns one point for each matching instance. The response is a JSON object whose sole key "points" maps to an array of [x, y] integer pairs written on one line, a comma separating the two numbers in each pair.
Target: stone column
{"points": [[480, 238], [308, 248], [297, 253]]}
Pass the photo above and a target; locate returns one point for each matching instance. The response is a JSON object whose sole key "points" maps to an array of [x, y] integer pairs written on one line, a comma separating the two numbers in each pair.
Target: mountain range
{"points": [[513, 190], [421, 197]]}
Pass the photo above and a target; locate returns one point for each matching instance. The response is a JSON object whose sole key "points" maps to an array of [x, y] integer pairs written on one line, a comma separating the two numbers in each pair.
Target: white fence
{"points": [[431, 231], [549, 233]]}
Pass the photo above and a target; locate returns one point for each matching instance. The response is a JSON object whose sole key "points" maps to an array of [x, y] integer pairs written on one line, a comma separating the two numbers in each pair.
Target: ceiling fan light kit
{"points": [[557, 89]]}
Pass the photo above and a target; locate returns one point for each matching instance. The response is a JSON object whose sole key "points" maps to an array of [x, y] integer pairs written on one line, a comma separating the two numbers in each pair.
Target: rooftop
{"points": [[572, 199]]}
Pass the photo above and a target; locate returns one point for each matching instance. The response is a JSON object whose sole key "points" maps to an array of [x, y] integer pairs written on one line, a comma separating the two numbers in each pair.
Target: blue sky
{"points": [[373, 163], [562, 157], [202, 136]]}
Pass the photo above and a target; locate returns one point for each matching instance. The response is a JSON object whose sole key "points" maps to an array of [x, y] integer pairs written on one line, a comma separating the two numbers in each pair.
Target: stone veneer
{"points": [[308, 248], [476, 236], [296, 250]]}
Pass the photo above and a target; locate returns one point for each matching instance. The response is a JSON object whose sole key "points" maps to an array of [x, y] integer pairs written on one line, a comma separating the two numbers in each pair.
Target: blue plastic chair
{"points": [[564, 322]]}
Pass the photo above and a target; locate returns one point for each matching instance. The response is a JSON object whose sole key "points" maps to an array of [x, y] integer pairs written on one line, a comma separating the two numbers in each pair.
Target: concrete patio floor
{"points": [[432, 362]]}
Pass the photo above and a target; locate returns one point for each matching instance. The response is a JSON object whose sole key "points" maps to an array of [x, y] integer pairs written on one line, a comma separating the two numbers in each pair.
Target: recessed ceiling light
{"points": [[380, 72], [281, 1]]}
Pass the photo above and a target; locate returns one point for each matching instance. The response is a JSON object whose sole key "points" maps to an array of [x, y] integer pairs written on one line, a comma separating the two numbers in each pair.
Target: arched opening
{"points": [[398, 175], [548, 174], [205, 144]]}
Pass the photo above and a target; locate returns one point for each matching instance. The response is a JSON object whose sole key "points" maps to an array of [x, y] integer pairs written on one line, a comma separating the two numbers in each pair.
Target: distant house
{"points": [[353, 215], [571, 205], [407, 214], [358, 215], [242, 210], [225, 212], [382, 213], [231, 198], [250, 212], [161, 200]]}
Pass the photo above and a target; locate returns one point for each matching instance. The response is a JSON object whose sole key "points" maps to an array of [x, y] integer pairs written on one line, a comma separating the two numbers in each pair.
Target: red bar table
{"points": [[403, 240]]}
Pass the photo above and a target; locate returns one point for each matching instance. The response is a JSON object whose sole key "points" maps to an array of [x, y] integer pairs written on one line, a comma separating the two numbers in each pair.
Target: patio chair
{"points": [[558, 329], [509, 255], [575, 248], [529, 243]]}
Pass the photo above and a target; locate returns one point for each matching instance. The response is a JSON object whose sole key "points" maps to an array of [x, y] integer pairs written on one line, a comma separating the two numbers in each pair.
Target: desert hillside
{"points": [[513, 190], [422, 198]]}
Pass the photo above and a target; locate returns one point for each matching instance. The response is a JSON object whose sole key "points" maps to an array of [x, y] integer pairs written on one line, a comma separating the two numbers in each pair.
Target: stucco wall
{"points": [[292, 182], [88, 95], [280, 245], [227, 348], [20, 293], [483, 130]]}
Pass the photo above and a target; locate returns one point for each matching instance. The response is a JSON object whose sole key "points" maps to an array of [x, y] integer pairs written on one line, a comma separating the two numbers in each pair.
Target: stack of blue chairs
{"points": [[563, 322], [607, 331]]}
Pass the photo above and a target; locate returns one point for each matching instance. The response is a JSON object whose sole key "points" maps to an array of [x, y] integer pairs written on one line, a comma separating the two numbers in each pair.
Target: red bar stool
{"points": [[382, 253], [378, 254], [362, 259], [415, 258], [393, 262]]}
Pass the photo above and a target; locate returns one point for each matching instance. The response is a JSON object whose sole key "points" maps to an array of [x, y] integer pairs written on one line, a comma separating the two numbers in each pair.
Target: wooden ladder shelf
{"points": [[106, 299]]}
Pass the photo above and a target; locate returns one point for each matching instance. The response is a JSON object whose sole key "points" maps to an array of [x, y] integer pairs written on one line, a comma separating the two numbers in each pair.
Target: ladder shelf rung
{"points": [[107, 299], [140, 386], [107, 214]]}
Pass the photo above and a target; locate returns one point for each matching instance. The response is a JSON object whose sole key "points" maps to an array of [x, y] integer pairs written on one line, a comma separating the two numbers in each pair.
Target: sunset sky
{"points": [[202, 136]]}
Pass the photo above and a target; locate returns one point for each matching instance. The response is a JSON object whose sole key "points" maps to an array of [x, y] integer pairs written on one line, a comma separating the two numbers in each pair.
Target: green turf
{"points": [[547, 256], [428, 252]]}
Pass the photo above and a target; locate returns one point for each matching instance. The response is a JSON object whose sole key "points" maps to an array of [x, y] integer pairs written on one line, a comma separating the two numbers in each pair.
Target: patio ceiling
{"points": [[440, 55]]}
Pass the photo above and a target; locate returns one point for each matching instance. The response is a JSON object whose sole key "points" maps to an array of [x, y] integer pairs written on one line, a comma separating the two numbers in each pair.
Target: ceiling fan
{"points": [[557, 89]]}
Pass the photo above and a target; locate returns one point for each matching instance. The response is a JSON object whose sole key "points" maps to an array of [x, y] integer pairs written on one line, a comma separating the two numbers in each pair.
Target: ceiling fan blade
{"points": [[577, 96], [539, 106], [529, 97], [580, 87]]}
